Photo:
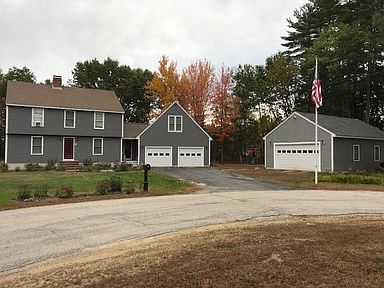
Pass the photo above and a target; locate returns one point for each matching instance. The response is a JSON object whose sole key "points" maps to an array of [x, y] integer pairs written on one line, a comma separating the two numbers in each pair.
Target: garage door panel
{"points": [[191, 156], [295, 156], [158, 156]]}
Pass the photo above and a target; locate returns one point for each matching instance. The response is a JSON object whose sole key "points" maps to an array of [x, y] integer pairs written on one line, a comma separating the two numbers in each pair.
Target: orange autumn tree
{"points": [[195, 89], [164, 85], [222, 109]]}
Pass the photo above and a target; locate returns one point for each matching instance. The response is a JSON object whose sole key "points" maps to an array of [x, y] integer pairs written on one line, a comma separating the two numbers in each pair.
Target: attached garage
{"points": [[295, 156], [159, 156], [191, 156]]}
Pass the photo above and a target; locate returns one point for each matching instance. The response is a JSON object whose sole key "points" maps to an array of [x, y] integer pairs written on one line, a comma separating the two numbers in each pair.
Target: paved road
{"points": [[219, 180], [34, 234]]}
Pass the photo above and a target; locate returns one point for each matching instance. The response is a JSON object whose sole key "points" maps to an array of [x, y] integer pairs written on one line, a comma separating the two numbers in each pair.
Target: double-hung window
{"points": [[376, 153], [98, 120], [37, 145], [97, 148], [175, 123], [356, 153], [37, 117], [69, 118]]}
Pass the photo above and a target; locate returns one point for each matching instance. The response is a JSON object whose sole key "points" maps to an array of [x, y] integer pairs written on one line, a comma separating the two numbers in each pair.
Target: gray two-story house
{"points": [[59, 123], [68, 124]]}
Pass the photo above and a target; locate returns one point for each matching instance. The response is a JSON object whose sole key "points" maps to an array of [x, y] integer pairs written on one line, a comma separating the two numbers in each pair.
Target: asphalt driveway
{"points": [[219, 180]]}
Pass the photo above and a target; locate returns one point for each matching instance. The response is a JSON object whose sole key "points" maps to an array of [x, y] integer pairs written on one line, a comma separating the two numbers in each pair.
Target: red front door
{"points": [[68, 148]]}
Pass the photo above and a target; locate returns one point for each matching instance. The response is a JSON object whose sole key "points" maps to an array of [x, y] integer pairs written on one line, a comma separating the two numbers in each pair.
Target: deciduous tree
{"points": [[196, 88], [222, 109], [163, 87]]}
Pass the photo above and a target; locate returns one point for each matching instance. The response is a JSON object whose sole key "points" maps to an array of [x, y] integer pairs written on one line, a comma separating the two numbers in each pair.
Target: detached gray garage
{"points": [[344, 144]]}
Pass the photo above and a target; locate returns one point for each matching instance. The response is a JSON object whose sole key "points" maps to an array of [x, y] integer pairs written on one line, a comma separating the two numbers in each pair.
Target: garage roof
{"points": [[346, 127], [132, 130]]}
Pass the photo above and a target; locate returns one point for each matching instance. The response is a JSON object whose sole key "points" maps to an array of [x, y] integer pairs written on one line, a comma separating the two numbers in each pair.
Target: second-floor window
{"points": [[175, 123], [98, 120], [37, 117], [69, 119]]}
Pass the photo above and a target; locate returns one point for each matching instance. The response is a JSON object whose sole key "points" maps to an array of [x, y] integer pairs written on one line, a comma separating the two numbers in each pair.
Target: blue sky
{"points": [[49, 37]]}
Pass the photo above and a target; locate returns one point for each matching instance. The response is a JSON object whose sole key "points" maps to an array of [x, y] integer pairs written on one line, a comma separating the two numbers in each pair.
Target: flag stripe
{"points": [[317, 96]]}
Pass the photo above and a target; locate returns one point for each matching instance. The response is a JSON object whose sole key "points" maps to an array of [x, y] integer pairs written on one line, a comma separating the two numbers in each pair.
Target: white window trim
{"points": [[42, 145], [93, 146], [374, 154], [33, 122], [94, 120], [358, 154], [175, 116], [74, 119]]}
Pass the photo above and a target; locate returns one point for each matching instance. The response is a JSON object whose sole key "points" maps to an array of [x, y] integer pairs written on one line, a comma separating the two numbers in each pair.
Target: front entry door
{"points": [[68, 148]]}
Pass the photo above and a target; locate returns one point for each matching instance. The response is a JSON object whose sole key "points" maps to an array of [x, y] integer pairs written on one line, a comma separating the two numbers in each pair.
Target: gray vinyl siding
{"points": [[20, 118], [344, 154], [297, 129], [157, 135], [19, 149]]}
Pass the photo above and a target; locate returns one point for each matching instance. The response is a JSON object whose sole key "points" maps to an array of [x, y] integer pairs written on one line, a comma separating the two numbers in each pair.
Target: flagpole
{"points": [[316, 136]]}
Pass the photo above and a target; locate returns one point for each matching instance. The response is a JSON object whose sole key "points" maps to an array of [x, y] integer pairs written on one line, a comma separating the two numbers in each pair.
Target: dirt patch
{"points": [[295, 179], [92, 197], [342, 251]]}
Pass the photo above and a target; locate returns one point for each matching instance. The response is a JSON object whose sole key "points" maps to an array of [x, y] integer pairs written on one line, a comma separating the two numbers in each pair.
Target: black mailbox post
{"points": [[147, 167]]}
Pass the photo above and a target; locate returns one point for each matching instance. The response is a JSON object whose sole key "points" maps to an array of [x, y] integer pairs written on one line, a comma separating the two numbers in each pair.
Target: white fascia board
{"points": [[63, 108]]}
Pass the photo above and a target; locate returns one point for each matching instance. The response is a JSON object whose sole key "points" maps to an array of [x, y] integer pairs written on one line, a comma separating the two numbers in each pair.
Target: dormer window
{"points": [[175, 123], [98, 120], [37, 117], [69, 118]]}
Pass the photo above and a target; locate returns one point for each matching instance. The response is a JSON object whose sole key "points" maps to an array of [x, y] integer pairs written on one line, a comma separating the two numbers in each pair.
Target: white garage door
{"points": [[191, 156], [295, 156], [159, 156]]}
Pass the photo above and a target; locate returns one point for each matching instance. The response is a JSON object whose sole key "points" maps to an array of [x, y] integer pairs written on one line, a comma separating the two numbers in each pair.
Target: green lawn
{"points": [[83, 182]]}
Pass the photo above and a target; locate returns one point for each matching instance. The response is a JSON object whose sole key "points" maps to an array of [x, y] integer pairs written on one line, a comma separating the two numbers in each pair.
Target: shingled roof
{"points": [[346, 127], [132, 130], [40, 95]]}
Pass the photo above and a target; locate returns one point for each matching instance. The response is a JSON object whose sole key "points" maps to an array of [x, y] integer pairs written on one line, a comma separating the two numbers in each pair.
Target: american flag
{"points": [[317, 96]]}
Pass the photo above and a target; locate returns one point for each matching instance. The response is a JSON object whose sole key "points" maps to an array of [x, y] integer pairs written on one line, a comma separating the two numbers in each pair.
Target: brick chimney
{"points": [[56, 82]]}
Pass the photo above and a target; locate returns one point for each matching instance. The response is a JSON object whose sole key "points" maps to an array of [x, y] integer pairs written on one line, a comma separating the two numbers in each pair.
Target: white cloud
{"points": [[49, 37]]}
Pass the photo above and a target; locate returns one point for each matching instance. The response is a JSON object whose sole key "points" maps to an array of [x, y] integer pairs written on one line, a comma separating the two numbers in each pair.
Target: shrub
{"points": [[129, 188], [60, 167], [102, 188], [24, 192], [115, 184], [17, 169], [102, 166], [65, 191], [40, 191], [33, 167], [87, 162], [122, 167], [51, 165], [3, 167], [112, 184]]}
